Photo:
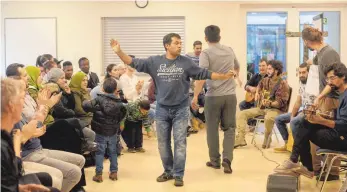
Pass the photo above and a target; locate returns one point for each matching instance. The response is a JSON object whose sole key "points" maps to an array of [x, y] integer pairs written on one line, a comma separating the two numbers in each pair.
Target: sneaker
{"points": [[140, 150], [113, 176], [281, 149], [330, 177], [213, 165], [302, 170], [98, 178], [239, 142], [227, 166], [178, 181], [287, 167], [164, 177], [131, 151]]}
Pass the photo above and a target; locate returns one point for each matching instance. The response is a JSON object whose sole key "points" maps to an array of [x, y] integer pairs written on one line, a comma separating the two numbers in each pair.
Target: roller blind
{"points": [[139, 36]]}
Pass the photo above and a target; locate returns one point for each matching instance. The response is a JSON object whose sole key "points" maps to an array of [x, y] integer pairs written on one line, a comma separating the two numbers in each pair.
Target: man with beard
{"points": [[296, 117], [270, 106], [328, 99], [325, 133], [171, 74]]}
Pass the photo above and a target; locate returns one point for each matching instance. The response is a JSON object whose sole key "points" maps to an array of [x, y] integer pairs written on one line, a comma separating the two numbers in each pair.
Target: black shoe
{"points": [[213, 165], [330, 177], [79, 189], [227, 166], [164, 177], [316, 173], [178, 181]]}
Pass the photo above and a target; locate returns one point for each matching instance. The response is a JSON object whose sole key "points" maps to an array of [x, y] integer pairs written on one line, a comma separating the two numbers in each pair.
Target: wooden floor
{"points": [[138, 172]]}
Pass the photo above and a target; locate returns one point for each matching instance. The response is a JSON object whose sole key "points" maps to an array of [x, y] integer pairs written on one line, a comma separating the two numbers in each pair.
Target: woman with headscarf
{"points": [[78, 86], [34, 88], [64, 109], [34, 81]]}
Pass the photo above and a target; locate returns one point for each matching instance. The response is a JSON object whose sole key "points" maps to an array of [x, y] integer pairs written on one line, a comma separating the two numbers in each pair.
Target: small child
{"points": [[136, 118], [109, 112]]}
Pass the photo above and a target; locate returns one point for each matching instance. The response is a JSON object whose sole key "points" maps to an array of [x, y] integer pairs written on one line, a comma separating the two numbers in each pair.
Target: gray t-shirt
{"points": [[219, 58], [325, 57]]}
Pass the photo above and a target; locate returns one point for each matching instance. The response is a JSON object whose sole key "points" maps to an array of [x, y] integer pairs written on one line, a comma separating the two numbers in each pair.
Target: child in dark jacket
{"points": [[109, 114]]}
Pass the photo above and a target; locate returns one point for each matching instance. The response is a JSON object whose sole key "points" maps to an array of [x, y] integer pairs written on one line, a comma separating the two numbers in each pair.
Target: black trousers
{"points": [[321, 136], [132, 134]]}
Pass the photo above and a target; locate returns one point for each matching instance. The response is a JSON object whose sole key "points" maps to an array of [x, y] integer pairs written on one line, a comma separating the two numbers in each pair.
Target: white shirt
{"points": [[129, 86], [306, 98]]}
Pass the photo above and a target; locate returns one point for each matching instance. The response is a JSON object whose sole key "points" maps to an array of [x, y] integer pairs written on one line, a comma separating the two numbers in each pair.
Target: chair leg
{"points": [[322, 171], [276, 135], [328, 171], [255, 131]]}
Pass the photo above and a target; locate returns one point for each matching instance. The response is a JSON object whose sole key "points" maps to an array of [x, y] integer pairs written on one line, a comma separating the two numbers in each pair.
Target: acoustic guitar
{"points": [[250, 97], [312, 110], [263, 95]]}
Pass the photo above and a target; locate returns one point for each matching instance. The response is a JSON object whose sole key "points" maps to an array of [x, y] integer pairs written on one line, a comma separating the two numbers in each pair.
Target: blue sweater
{"points": [[171, 77], [341, 115]]}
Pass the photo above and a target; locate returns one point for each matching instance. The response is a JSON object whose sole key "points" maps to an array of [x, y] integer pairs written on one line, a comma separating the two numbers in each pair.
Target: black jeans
{"points": [[38, 178], [132, 134], [321, 136]]}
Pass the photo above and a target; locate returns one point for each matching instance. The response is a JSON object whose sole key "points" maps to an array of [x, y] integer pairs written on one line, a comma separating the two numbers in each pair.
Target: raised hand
{"points": [[29, 130], [115, 45], [54, 99], [43, 96]]}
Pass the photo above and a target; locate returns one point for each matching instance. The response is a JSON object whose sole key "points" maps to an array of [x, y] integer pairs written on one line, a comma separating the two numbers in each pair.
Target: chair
{"points": [[329, 153], [260, 119]]}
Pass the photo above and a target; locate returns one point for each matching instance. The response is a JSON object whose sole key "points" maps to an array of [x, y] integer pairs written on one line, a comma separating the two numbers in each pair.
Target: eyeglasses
{"points": [[331, 78]]}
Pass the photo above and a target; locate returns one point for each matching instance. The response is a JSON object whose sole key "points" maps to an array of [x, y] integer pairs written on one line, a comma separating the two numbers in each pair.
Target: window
{"points": [[265, 38], [139, 36], [330, 23]]}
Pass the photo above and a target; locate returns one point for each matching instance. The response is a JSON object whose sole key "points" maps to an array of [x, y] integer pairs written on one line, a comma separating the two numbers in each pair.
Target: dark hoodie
{"points": [[109, 112]]}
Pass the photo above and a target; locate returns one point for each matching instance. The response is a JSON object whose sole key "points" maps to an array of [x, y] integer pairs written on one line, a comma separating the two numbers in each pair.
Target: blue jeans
{"points": [[176, 119], [151, 115], [281, 124], [99, 156]]}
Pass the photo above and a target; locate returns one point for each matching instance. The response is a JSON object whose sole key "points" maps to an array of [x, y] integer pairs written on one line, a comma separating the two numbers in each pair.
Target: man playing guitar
{"points": [[275, 103], [323, 132], [251, 86]]}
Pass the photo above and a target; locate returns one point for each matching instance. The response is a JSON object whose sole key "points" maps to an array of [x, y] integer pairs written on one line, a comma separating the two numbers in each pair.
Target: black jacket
{"points": [[255, 80], [93, 80], [65, 107], [108, 111], [11, 166]]}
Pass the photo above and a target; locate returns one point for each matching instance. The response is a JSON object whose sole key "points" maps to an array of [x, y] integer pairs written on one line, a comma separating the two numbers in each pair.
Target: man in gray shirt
{"points": [[220, 99]]}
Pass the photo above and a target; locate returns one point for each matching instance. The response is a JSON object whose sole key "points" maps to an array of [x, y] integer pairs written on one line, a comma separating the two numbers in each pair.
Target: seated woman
{"points": [[78, 86], [64, 109], [12, 180], [63, 135]]}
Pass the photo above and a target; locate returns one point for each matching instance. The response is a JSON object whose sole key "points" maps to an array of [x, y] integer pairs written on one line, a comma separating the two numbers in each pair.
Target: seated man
{"points": [[251, 88], [295, 117], [272, 96], [251, 85], [325, 133]]}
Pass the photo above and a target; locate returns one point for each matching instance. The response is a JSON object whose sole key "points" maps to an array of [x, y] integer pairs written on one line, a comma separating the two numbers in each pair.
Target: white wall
{"points": [[80, 34]]}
